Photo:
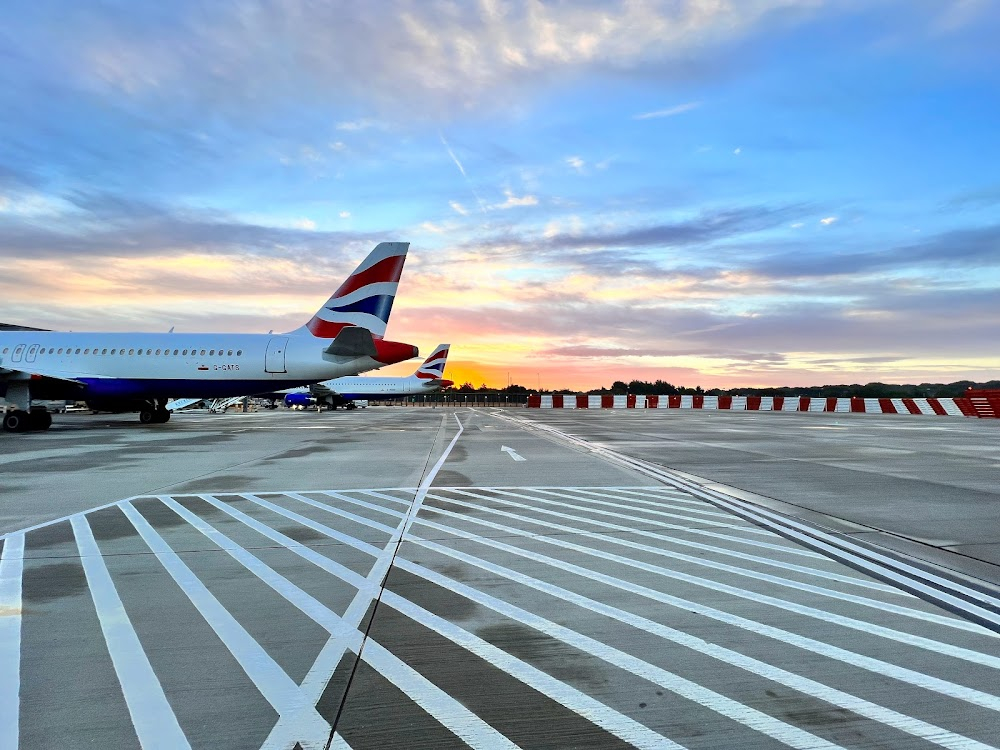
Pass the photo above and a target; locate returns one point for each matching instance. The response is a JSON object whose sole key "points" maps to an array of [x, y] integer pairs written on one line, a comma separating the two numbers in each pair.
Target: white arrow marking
{"points": [[512, 453]]}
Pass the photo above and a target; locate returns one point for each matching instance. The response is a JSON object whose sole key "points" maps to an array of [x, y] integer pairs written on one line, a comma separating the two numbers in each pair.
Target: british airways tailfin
{"points": [[365, 298], [433, 367]]}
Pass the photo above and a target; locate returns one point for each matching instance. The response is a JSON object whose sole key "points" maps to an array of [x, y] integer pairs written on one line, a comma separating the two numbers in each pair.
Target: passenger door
{"points": [[274, 358]]}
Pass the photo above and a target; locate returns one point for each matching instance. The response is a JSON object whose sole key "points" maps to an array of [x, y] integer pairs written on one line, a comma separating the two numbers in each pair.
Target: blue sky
{"points": [[782, 192]]}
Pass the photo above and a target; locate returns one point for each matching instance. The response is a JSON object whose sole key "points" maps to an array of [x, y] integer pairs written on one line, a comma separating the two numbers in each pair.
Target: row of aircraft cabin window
{"points": [[148, 352]]}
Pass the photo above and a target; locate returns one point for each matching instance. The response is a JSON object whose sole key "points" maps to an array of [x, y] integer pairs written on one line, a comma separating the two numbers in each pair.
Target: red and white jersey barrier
{"points": [[955, 407]]}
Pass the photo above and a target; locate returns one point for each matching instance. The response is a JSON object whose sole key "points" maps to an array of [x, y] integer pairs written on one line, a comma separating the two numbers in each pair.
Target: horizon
{"points": [[727, 195]]}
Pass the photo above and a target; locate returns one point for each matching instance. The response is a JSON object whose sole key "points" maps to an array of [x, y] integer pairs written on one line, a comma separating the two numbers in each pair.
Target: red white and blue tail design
{"points": [[433, 367], [365, 298]]}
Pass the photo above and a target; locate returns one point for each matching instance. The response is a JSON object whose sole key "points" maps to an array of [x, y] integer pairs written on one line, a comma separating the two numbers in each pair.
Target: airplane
{"points": [[122, 372], [345, 391]]}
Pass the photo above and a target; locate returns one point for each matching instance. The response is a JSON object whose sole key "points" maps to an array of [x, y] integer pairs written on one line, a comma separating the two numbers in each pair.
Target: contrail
{"points": [[482, 206]]}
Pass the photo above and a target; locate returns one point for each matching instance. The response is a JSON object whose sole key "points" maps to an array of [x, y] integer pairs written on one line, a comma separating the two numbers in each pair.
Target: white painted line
{"points": [[881, 606], [330, 566], [418, 500], [329, 657], [873, 665], [920, 581], [154, 720], [281, 736], [449, 712], [684, 543], [754, 666], [11, 572], [321, 672], [818, 614], [297, 725], [704, 509], [853, 580], [344, 635], [720, 704], [783, 548], [614, 722], [271, 680], [834, 652], [672, 526], [394, 533], [512, 453], [344, 497], [628, 493]]}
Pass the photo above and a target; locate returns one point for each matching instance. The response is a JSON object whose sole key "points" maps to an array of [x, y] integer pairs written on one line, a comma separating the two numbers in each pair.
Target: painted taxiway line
{"points": [[11, 572], [471, 540], [975, 604]]}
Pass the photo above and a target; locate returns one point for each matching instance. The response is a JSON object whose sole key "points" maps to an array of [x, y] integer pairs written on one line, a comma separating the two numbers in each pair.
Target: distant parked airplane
{"points": [[123, 372], [344, 391]]}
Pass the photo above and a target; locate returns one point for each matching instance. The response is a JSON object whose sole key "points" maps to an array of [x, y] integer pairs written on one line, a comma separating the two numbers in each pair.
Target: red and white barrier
{"points": [[952, 407]]}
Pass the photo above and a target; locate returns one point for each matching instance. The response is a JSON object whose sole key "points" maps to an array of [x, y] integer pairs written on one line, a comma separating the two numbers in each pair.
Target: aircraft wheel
{"points": [[351, 406], [162, 415], [16, 421], [39, 420], [147, 416]]}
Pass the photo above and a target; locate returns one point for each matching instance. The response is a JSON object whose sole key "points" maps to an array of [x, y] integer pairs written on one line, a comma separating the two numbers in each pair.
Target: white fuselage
{"points": [[371, 388], [159, 365]]}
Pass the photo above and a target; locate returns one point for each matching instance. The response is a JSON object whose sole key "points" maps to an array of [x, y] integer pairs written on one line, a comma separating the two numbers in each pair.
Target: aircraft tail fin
{"points": [[433, 367], [366, 296]]}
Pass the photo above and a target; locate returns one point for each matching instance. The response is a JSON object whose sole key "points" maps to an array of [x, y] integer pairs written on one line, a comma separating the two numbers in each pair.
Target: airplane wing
{"points": [[12, 327], [11, 374]]}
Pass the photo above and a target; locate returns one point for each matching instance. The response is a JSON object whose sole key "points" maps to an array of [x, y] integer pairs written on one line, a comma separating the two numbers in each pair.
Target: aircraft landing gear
{"points": [[16, 421], [39, 419], [24, 417], [23, 421], [154, 414]]}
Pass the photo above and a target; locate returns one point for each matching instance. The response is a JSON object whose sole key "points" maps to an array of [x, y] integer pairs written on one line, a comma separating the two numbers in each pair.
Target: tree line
{"points": [[663, 388]]}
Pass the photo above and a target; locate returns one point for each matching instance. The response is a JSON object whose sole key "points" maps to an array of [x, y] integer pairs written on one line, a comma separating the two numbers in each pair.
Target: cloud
{"points": [[576, 163], [973, 248], [983, 197], [345, 214], [514, 202], [738, 150], [599, 352], [708, 226], [362, 124], [828, 220], [669, 112], [421, 59], [458, 208], [99, 224]]}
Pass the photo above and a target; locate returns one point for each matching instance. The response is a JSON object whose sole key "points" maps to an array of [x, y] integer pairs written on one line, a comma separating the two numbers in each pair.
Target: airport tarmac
{"points": [[454, 577]]}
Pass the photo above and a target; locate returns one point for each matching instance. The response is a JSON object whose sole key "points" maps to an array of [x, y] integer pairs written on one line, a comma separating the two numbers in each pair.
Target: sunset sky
{"points": [[712, 192]]}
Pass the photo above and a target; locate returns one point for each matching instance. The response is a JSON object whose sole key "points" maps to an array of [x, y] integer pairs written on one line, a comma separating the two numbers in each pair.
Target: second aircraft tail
{"points": [[432, 369]]}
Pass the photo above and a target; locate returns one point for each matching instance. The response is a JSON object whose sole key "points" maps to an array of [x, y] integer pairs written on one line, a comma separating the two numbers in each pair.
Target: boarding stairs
{"points": [[219, 405], [182, 403]]}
